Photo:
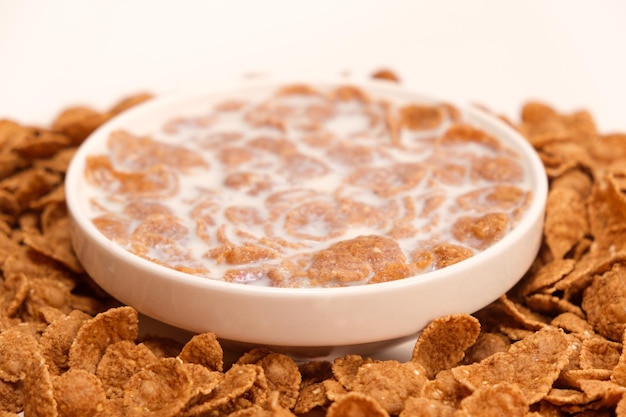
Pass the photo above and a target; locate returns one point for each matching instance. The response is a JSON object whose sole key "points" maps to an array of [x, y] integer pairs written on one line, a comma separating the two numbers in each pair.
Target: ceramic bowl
{"points": [[305, 321]]}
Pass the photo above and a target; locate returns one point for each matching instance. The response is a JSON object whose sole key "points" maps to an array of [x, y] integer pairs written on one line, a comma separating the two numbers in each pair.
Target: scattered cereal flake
{"points": [[533, 364], [566, 220], [36, 143], [241, 387], [562, 396], [120, 361], [59, 162], [552, 305], [573, 284], [254, 355], [445, 389], [310, 397], [496, 400], [390, 382], [38, 389], [14, 292], [572, 323], [334, 389], [11, 397], [601, 394], [29, 184], [386, 74], [204, 381], [424, 407], [604, 302], [315, 371], [79, 393], [620, 409], [14, 361], [97, 334], [486, 345], [355, 404], [204, 349], [131, 101], [56, 340], [619, 372], [346, 368], [599, 353], [162, 347], [36, 266], [78, 122], [571, 378], [547, 275], [442, 344], [523, 315], [283, 376], [160, 389], [558, 157], [607, 215]]}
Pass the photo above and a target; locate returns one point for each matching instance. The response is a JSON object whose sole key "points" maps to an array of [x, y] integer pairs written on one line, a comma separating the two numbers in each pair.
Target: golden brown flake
{"points": [[98, 333], [442, 344]]}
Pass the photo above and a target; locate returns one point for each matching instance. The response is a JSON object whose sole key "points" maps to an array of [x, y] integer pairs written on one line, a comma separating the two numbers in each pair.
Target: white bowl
{"points": [[304, 321]]}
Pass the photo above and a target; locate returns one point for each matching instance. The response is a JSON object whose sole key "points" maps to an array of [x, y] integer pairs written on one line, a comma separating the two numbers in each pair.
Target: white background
{"points": [[501, 53]]}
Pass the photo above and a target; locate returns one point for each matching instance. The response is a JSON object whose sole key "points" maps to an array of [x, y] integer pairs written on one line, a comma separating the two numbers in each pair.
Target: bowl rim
{"points": [[538, 182]]}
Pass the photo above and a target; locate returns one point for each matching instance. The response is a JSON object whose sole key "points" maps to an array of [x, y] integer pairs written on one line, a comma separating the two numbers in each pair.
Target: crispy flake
{"points": [[442, 344], [98, 333], [533, 364]]}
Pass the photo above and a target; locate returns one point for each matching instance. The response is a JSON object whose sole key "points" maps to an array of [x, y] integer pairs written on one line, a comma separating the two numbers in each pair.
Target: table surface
{"points": [[500, 54]]}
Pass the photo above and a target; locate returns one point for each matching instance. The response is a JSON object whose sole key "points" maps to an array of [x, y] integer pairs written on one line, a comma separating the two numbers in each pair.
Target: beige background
{"points": [[496, 52]]}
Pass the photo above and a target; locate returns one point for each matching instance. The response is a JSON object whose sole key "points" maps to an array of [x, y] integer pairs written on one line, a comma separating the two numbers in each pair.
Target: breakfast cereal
{"points": [[552, 346], [307, 186]]}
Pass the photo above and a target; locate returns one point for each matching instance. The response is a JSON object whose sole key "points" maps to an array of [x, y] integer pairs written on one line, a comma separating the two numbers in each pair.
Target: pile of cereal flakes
{"points": [[552, 346]]}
